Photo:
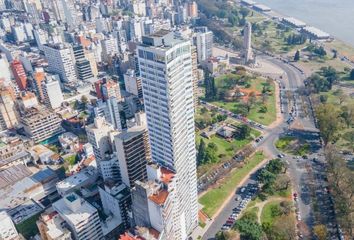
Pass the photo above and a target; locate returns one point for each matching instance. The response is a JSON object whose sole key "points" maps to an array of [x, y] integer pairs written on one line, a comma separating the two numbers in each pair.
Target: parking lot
{"points": [[232, 211]]}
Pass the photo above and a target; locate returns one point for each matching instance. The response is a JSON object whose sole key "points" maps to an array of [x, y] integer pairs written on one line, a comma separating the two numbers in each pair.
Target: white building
{"points": [[61, 61], [19, 33], [5, 73], [81, 217], [168, 100], [109, 168], [53, 96], [7, 228], [98, 135], [203, 39], [113, 113], [109, 48], [133, 83]]}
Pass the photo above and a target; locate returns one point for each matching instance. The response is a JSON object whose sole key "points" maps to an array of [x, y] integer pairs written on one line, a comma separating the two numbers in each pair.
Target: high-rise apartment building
{"points": [[61, 61], [166, 71], [195, 74], [133, 83], [81, 217], [116, 201], [19, 74], [133, 152], [113, 113], [203, 39], [52, 94], [111, 89], [98, 134], [83, 66]]}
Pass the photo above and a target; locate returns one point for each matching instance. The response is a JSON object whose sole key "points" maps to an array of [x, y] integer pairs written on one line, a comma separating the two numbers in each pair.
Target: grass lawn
{"points": [[214, 198], [266, 215], [292, 145], [225, 148], [28, 228], [255, 114]]}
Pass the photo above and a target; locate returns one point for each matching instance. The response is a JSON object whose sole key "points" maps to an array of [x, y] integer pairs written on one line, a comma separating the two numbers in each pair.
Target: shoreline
{"points": [[275, 15], [280, 14]]}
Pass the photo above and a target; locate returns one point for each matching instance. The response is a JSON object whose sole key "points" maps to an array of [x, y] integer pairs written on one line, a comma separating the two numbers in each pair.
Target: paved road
{"points": [[307, 175]]}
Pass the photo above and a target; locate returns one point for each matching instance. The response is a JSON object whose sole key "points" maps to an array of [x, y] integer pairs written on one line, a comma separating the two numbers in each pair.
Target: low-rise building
{"points": [[69, 142], [44, 155], [85, 177], [13, 150], [52, 226]]}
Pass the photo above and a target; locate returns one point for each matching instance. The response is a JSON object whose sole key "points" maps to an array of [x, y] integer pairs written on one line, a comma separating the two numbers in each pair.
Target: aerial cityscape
{"points": [[175, 120]]}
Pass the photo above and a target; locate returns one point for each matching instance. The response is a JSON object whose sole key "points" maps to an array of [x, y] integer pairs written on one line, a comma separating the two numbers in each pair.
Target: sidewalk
{"points": [[199, 231]]}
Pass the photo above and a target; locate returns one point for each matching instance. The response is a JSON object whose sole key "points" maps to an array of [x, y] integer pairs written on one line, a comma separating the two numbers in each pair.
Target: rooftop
{"points": [[13, 174], [7, 228], [75, 180], [160, 197], [166, 175], [75, 214]]}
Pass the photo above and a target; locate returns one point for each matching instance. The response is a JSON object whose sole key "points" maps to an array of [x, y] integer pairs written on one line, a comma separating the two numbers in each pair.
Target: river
{"points": [[335, 17]]}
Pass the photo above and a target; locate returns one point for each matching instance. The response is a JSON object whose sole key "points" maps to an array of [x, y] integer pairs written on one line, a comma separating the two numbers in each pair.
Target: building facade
{"points": [[166, 70]]}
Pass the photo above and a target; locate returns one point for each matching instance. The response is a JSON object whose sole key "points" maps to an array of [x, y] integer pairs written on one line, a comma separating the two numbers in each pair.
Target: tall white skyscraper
{"points": [[166, 71]]}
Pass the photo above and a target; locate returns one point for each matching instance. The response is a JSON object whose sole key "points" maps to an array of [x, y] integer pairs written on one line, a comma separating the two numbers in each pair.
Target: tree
{"points": [[84, 100], [244, 12], [297, 56], [330, 73], [323, 98], [348, 115], [328, 117], [320, 231], [275, 166], [249, 230], [282, 182], [211, 153], [342, 97], [284, 228], [244, 131], [210, 88], [201, 152]]}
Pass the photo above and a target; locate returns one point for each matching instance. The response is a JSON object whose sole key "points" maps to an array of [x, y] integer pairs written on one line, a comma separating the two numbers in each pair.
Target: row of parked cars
{"points": [[244, 196]]}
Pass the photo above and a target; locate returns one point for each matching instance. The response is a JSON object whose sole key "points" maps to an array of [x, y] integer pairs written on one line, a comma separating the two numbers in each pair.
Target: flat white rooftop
{"points": [[74, 208], [75, 180]]}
